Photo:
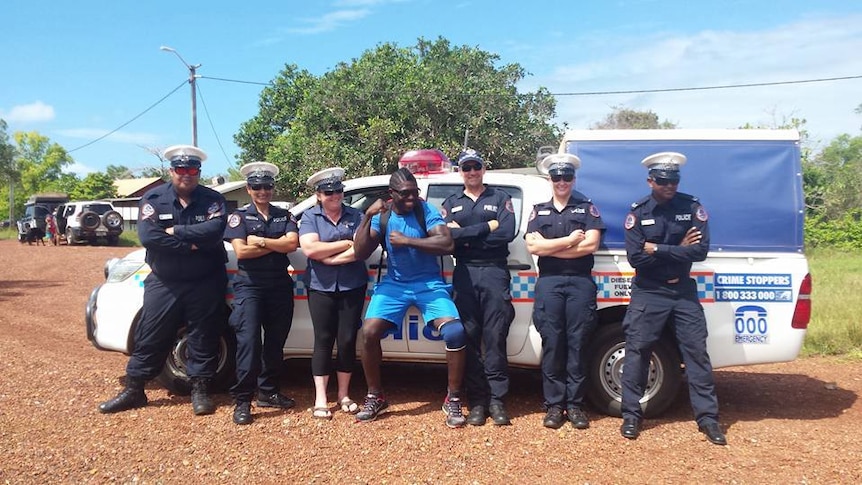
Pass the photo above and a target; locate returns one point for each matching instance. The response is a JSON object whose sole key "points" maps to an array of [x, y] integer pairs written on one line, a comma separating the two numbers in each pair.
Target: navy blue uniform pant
{"points": [[565, 315], [485, 306], [170, 305], [261, 319], [652, 307]]}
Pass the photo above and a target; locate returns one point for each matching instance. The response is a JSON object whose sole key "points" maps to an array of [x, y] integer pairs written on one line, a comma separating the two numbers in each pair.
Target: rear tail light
{"points": [[802, 312]]}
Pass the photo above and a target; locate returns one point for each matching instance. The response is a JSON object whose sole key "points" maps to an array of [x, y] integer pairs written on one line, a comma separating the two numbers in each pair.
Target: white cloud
{"points": [[29, 113], [805, 50], [330, 21], [120, 136]]}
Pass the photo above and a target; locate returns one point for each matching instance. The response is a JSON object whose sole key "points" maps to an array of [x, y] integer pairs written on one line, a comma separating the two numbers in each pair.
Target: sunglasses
{"points": [[406, 192], [469, 167], [261, 186], [187, 170], [566, 177], [662, 181], [330, 192]]}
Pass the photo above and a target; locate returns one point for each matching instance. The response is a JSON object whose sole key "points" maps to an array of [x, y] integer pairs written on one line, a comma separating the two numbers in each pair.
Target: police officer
{"points": [[482, 223], [665, 232], [262, 235], [564, 233], [181, 225], [336, 282]]}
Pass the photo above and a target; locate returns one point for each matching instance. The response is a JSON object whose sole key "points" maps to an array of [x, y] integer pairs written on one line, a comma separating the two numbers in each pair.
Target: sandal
{"points": [[348, 405], [321, 413]]}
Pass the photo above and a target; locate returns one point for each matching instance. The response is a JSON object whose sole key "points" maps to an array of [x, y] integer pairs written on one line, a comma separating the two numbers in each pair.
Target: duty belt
{"points": [[482, 262]]}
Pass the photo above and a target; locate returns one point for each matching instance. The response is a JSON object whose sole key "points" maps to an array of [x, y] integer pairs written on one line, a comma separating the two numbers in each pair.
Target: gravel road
{"points": [[796, 422]]}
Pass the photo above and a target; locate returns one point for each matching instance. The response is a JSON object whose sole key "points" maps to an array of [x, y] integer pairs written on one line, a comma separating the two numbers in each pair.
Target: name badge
{"points": [[544, 212], [457, 209], [164, 217], [648, 222]]}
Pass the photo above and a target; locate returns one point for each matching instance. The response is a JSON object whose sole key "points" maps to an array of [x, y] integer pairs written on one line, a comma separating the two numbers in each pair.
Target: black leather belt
{"points": [[482, 262]]}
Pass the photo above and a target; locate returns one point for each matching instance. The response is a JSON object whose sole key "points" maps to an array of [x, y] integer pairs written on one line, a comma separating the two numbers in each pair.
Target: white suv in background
{"points": [[89, 221]]}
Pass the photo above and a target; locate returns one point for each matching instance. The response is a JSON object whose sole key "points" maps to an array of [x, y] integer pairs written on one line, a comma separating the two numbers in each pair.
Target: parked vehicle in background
{"points": [[754, 285], [88, 221], [32, 225]]}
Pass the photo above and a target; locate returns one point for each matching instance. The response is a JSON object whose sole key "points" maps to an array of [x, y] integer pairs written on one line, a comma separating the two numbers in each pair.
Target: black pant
{"points": [[266, 305], [485, 306], [336, 316], [565, 315], [168, 306]]}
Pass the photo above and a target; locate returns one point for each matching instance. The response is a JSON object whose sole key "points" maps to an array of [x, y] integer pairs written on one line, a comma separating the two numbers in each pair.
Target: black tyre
{"points": [[112, 220], [70, 237], [174, 376], [90, 220], [604, 389]]}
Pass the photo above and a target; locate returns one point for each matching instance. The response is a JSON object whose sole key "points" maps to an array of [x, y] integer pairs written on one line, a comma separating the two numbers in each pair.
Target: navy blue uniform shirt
{"points": [[201, 224], [665, 225], [474, 240], [247, 221], [324, 277], [579, 213]]}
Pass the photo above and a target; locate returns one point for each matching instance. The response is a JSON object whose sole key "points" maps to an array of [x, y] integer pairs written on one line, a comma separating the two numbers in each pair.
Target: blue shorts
{"points": [[391, 299]]}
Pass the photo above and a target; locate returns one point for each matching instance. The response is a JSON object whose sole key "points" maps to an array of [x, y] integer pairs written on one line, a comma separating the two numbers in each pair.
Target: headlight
{"points": [[122, 269]]}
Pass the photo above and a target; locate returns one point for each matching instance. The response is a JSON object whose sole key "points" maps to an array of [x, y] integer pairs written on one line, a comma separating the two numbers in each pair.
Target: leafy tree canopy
{"points": [[365, 114], [622, 118]]}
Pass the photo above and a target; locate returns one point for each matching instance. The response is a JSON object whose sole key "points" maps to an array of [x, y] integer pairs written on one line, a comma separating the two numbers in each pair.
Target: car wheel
{"points": [[112, 220], [605, 368], [174, 376], [70, 237], [90, 221]]}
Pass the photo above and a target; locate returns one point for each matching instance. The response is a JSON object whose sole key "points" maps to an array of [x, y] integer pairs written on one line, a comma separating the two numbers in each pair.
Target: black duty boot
{"points": [[242, 413], [201, 402], [131, 397]]}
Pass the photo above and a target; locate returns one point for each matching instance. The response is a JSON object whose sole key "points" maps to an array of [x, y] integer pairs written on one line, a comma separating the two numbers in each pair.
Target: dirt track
{"points": [[797, 422]]}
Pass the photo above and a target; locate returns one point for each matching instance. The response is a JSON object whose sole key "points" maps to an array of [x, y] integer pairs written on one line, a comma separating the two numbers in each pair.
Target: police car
{"points": [[754, 285]]}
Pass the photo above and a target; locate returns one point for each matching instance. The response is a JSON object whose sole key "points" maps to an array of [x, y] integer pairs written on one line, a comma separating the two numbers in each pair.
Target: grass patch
{"points": [[836, 308], [129, 239], [8, 233]]}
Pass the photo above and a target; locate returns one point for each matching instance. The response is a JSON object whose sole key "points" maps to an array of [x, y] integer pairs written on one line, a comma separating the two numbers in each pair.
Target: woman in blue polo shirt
{"points": [[336, 285]]}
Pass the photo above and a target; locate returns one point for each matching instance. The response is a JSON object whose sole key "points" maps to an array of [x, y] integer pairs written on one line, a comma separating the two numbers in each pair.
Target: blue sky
{"points": [[74, 71]]}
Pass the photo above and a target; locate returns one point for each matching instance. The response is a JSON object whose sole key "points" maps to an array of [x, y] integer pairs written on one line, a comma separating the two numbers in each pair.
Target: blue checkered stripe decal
{"points": [[523, 287]]}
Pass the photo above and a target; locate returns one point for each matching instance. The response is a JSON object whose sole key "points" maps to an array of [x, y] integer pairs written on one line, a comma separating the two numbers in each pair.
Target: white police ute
{"points": [[754, 285]]}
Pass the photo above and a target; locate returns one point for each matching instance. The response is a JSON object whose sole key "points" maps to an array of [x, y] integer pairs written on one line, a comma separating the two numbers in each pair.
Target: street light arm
{"points": [[171, 49]]}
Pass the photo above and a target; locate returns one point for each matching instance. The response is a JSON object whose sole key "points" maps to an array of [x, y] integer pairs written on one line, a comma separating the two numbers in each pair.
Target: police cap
{"points": [[185, 156]]}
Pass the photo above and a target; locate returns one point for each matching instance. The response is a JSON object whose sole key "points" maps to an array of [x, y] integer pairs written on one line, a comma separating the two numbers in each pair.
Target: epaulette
{"points": [[688, 197], [579, 196], [641, 202]]}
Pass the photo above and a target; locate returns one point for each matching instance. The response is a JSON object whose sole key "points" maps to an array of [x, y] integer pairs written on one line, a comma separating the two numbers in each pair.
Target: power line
{"points": [[704, 88], [131, 120], [632, 91], [212, 127]]}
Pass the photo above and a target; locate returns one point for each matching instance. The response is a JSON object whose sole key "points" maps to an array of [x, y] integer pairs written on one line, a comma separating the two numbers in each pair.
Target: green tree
{"points": [[96, 185], [116, 172], [39, 166], [365, 114], [622, 118], [9, 174]]}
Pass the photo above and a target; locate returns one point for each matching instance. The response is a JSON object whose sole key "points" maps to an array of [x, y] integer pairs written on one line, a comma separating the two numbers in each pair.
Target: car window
{"points": [[437, 193], [97, 208], [363, 198]]}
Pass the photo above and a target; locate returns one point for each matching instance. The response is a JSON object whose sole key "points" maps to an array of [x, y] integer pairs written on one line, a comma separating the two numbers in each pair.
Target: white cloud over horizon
{"points": [[29, 113]]}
